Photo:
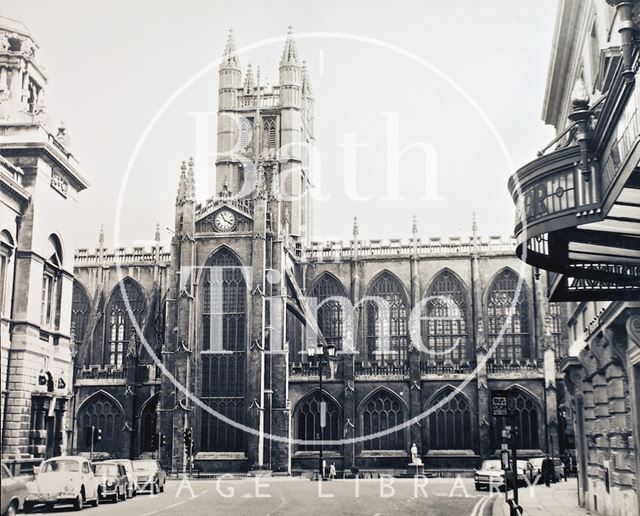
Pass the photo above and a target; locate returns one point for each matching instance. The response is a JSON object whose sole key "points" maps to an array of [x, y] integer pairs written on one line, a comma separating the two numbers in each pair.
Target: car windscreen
{"points": [[144, 465], [61, 465], [106, 469], [491, 465]]}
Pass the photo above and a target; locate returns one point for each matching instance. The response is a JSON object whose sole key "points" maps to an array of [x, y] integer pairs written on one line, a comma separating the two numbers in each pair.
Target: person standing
{"points": [[547, 470], [567, 463], [332, 471]]}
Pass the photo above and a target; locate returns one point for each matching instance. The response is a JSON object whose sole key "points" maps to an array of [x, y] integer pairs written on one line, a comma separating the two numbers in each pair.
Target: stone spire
{"points": [[230, 56], [306, 83], [289, 53], [190, 184], [249, 82], [181, 197]]}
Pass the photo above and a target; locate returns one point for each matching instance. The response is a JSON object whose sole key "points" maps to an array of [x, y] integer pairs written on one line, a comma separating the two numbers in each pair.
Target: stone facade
{"points": [[38, 178], [167, 375]]}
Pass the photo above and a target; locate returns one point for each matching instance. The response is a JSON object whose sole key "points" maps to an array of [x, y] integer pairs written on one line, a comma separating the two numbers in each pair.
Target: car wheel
{"points": [[116, 497], [12, 509], [77, 503], [28, 506], [124, 496], [96, 502], [155, 488], [162, 488]]}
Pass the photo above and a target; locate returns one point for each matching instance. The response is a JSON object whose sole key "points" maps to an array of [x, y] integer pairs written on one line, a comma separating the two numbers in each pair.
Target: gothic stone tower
{"points": [[226, 328]]}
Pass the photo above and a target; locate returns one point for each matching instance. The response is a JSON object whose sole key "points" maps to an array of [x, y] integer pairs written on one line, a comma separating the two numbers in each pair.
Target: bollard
{"points": [[514, 508]]}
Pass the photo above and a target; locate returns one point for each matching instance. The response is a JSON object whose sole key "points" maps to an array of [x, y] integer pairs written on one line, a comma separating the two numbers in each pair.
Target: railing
{"points": [[626, 134], [266, 100], [443, 368], [245, 205], [308, 370], [381, 370], [502, 366], [100, 373], [121, 255], [336, 250]]}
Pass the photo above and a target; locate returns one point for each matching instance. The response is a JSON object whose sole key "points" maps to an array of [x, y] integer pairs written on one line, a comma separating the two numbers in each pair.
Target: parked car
{"points": [[63, 480], [111, 479], [535, 470], [132, 478], [491, 476], [151, 476], [14, 492]]}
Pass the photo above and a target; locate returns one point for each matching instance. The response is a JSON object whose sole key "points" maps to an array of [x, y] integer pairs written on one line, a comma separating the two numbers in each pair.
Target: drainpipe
{"points": [[624, 10]]}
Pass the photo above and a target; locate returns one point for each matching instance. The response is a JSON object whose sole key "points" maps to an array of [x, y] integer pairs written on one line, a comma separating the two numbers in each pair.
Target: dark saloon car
{"points": [[111, 479]]}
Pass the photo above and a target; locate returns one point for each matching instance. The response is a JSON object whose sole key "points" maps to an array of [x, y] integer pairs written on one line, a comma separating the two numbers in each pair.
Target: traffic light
{"points": [[98, 434], [93, 435], [162, 439], [154, 442], [188, 441]]}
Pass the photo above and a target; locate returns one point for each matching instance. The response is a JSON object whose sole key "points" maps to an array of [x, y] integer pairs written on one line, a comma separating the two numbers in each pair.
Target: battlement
{"points": [[434, 246], [122, 256]]}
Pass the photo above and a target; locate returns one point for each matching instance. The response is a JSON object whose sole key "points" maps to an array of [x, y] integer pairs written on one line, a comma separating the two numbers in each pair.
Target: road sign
{"points": [[499, 405]]}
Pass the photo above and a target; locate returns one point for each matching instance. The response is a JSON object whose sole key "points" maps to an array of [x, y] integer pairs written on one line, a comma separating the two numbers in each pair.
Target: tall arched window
{"points": [[246, 133], [119, 319], [223, 356], [555, 326], [450, 424], [444, 319], [380, 413], [104, 413], [269, 133], [387, 322], [80, 313], [6, 251], [308, 422], [51, 285], [527, 420], [503, 309], [330, 298]]}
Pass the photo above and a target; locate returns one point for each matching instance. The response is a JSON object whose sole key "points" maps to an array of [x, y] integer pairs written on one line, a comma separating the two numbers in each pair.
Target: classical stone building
{"points": [[579, 219], [207, 347], [38, 178]]}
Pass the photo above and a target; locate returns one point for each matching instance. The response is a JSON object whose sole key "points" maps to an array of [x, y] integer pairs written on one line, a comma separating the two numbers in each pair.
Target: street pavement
{"points": [[294, 496], [559, 498]]}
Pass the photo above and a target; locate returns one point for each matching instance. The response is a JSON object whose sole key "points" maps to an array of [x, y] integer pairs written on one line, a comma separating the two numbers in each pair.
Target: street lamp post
{"points": [[318, 355]]}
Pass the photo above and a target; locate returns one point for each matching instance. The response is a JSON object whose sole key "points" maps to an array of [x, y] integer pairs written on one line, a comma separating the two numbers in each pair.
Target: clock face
{"points": [[225, 220]]}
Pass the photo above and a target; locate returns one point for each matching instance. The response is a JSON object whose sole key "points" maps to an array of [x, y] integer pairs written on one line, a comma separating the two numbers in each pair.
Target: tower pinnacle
{"points": [[230, 56], [289, 53]]}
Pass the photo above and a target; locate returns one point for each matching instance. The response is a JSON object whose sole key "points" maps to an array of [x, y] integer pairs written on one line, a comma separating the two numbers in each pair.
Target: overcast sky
{"points": [[449, 70]]}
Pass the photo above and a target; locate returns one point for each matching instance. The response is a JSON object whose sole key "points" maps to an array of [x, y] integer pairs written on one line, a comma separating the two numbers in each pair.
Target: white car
{"points": [[491, 475], [63, 480]]}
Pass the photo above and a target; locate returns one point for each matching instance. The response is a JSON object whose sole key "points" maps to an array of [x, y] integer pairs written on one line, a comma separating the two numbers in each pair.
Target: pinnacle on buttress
{"points": [[306, 83], [190, 184], [101, 237], [289, 53], [474, 225], [249, 82], [181, 197], [355, 228], [157, 233], [414, 226], [230, 56]]}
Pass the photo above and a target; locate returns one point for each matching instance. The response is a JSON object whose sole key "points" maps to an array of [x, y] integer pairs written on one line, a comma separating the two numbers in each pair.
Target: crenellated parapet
{"points": [[122, 256]]}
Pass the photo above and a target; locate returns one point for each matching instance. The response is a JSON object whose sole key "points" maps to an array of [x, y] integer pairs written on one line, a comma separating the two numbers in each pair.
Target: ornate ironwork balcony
{"points": [[578, 206]]}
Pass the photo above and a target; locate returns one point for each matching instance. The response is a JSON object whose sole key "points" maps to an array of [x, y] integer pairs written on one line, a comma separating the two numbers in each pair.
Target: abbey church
{"points": [[155, 351]]}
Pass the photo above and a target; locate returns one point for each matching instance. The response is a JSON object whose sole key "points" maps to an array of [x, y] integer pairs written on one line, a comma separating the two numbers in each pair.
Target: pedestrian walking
{"points": [[332, 471], [547, 470], [568, 465]]}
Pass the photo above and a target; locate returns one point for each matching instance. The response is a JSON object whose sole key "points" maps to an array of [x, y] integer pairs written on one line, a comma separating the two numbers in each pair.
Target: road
{"points": [[276, 496]]}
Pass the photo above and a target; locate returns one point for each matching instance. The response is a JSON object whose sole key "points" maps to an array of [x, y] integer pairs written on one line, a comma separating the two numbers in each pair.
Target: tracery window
{"points": [[308, 422], [223, 356], [527, 420], [450, 424], [444, 324], [382, 412], [555, 325], [51, 290], [330, 298], [514, 343], [80, 313], [246, 133], [101, 412], [120, 319], [387, 329], [269, 133]]}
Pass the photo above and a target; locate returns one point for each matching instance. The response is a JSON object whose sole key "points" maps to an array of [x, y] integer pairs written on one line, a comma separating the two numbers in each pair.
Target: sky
{"points": [[463, 79]]}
